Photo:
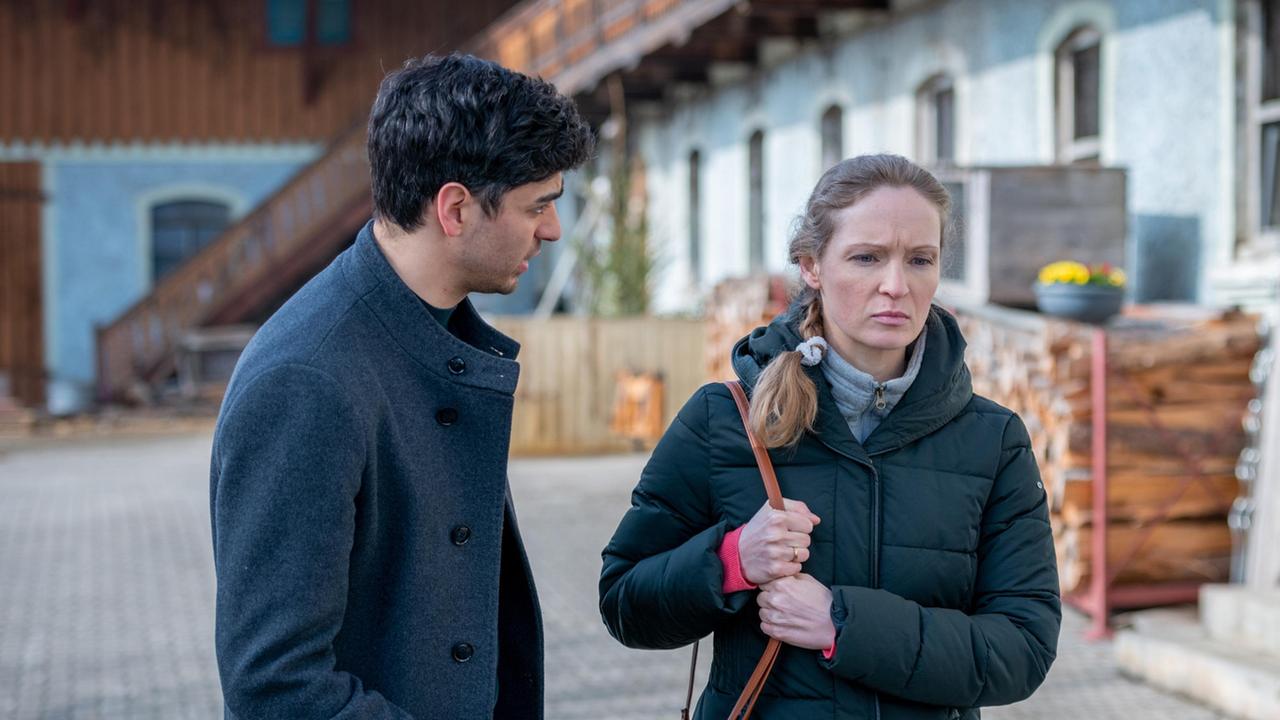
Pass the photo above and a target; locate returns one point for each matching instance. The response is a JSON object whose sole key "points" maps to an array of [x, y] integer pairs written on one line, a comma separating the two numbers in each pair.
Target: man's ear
{"points": [[809, 270], [451, 208]]}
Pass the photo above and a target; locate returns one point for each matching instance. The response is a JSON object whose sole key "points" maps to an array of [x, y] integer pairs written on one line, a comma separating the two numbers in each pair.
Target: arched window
{"points": [[180, 228], [1078, 63], [755, 202], [695, 215], [832, 136], [936, 122]]}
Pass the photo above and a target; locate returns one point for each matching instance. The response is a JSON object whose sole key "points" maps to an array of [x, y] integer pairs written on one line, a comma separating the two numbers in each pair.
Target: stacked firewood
{"points": [[1178, 387], [735, 308]]}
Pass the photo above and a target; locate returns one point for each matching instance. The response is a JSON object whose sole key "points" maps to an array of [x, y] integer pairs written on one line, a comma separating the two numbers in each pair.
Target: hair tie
{"points": [[812, 350]]}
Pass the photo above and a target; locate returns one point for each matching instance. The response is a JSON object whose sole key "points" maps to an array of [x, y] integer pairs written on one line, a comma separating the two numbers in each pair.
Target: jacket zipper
{"points": [[875, 524], [881, 403], [875, 529]]}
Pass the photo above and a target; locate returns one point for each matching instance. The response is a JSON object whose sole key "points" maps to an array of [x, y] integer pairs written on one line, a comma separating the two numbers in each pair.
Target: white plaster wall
{"points": [[1166, 85]]}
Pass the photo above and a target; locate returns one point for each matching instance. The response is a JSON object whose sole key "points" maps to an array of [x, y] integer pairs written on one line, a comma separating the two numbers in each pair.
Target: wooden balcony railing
{"points": [[575, 43], [237, 269]]}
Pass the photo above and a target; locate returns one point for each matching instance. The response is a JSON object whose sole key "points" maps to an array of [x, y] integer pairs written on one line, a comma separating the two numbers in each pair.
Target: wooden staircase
{"points": [[244, 271]]}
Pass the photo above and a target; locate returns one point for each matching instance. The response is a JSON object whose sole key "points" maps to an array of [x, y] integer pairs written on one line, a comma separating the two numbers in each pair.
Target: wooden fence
{"points": [[568, 369]]}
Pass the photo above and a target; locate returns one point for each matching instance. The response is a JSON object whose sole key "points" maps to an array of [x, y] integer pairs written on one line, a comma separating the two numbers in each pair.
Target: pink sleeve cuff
{"points": [[733, 579], [829, 652]]}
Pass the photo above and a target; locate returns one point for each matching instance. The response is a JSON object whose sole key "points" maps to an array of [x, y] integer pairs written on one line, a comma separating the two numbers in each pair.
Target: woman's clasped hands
{"points": [[794, 607]]}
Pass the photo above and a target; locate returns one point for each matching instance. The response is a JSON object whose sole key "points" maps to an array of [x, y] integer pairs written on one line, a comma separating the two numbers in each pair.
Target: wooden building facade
{"points": [[104, 71]]}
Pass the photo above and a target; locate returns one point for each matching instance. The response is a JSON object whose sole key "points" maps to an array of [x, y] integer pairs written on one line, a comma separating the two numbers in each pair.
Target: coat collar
{"points": [[488, 355], [939, 393]]}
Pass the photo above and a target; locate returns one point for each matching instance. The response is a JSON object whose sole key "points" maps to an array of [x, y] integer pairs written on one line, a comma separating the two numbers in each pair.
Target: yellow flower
{"points": [[1065, 271], [1118, 278]]}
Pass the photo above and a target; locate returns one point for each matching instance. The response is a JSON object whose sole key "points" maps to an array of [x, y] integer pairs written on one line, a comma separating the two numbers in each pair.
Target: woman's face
{"points": [[877, 275]]}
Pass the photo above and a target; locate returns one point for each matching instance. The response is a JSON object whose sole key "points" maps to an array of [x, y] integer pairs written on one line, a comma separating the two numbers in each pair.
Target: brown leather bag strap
{"points": [[762, 455], [688, 696], [755, 684], [751, 693]]}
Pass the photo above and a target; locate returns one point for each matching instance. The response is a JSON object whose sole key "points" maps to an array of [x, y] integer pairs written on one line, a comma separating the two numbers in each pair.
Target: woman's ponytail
{"points": [[784, 402]]}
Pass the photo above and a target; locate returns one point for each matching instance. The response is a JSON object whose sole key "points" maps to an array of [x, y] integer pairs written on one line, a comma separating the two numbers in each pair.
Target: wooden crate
{"points": [[1015, 220]]}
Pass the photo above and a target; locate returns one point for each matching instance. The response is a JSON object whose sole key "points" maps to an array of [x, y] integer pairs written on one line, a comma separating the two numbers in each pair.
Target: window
{"points": [[179, 229], [1078, 63], [286, 22], [1258, 97], [695, 216], [936, 123], [755, 203], [953, 254], [1264, 76], [291, 22], [832, 137], [1269, 218]]}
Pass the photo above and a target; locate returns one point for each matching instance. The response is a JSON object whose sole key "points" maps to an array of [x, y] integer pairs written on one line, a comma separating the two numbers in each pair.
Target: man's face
{"points": [[498, 250]]}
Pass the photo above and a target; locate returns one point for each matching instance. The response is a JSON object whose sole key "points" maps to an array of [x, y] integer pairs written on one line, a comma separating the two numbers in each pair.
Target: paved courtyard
{"points": [[106, 595]]}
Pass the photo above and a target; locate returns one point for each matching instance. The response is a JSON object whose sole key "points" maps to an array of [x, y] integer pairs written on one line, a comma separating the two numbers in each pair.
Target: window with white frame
{"points": [[695, 215], [180, 228], [1262, 134], [755, 202], [953, 252], [832, 137], [1078, 64], [936, 122]]}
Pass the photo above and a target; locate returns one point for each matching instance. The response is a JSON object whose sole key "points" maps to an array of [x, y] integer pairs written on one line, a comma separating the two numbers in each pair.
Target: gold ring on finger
{"points": [[795, 554]]}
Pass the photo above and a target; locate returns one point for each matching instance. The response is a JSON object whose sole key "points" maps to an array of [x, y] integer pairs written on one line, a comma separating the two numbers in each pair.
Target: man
{"points": [[368, 560]]}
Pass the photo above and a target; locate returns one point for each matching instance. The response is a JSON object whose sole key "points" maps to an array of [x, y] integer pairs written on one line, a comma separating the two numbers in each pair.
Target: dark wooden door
{"points": [[21, 307]]}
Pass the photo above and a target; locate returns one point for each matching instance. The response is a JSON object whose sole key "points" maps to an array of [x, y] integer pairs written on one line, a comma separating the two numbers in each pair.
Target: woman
{"points": [[912, 572]]}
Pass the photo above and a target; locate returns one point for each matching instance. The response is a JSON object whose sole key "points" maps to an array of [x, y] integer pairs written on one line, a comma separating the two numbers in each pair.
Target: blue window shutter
{"points": [[333, 22], [286, 22]]}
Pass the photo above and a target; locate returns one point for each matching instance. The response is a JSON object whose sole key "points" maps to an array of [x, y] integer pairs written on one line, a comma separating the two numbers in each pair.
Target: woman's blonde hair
{"points": [[784, 402]]}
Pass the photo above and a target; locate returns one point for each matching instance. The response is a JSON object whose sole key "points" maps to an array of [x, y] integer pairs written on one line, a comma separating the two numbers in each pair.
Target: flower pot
{"points": [[1086, 303]]}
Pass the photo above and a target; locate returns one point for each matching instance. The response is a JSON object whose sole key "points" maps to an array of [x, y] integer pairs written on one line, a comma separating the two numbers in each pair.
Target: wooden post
{"points": [[1263, 571]]}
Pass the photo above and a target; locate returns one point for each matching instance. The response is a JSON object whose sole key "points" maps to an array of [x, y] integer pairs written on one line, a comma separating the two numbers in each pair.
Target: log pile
{"points": [[735, 308], [1178, 388]]}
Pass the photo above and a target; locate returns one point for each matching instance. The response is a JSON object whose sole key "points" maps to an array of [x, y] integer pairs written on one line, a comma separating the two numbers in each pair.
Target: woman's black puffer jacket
{"points": [[934, 540]]}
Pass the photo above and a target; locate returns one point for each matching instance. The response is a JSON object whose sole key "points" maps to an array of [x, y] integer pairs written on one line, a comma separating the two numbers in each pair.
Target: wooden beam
{"points": [[666, 70], [710, 50]]}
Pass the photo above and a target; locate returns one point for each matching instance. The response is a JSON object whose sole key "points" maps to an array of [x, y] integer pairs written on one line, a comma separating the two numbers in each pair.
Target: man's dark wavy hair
{"points": [[458, 118]]}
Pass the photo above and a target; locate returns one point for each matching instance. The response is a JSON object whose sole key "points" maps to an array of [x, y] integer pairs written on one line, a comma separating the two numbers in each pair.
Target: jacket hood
{"points": [[940, 392]]}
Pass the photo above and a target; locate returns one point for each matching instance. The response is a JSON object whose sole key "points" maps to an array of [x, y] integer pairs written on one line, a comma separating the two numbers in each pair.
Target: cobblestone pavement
{"points": [[106, 595]]}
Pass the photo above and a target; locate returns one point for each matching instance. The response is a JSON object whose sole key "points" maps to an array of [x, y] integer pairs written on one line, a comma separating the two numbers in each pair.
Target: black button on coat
{"points": [[934, 540], [461, 535], [335, 495]]}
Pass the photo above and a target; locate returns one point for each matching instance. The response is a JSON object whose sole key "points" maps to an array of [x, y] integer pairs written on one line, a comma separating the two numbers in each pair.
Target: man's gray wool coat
{"points": [[368, 560]]}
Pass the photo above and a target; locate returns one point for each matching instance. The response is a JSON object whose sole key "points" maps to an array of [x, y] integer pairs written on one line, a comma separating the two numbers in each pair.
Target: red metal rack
{"points": [[1103, 596]]}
